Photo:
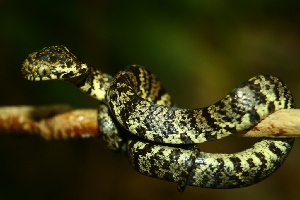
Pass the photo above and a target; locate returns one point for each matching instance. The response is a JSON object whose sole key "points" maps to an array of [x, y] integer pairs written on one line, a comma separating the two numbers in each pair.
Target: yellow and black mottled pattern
{"points": [[241, 109], [240, 169], [209, 170], [58, 63], [135, 100]]}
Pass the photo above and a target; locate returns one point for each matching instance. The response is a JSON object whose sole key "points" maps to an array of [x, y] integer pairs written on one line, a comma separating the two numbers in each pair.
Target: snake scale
{"points": [[163, 140]]}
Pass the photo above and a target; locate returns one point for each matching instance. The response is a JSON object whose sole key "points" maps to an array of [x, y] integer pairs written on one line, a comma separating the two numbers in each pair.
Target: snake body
{"points": [[165, 147], [242, 108]]}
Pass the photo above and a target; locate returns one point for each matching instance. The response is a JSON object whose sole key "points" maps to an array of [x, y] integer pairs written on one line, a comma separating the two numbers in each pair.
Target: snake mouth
{"points": [[51, 63], [44, 71]]}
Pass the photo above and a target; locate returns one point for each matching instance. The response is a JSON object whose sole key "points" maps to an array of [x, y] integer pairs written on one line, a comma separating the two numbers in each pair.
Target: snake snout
{"points": [[51, 63]]}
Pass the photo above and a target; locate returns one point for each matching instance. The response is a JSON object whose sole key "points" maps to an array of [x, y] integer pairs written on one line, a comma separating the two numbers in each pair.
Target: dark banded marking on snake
{"points": [[240, 110], [137, 100], [210, 170]]}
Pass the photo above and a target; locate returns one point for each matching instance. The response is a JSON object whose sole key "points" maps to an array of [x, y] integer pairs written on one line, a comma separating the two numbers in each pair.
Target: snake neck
{"points": [[94, 83]]}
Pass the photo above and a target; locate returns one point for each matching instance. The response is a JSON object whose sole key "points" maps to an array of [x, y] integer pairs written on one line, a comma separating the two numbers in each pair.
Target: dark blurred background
{"points": [[200, 50]]}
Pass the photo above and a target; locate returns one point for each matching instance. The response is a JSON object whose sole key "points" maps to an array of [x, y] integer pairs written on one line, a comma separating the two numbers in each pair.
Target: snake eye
{"points": [[44, 70]]}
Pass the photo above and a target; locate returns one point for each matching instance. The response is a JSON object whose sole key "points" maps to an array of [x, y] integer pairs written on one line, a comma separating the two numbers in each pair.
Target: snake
{"points": [[138, 116]]}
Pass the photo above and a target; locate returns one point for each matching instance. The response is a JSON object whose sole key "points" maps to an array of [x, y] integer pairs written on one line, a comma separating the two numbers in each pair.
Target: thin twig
{"points": [[62, 122]]}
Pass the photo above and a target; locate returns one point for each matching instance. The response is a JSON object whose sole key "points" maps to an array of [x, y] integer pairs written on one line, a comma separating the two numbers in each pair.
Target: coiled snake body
{"points": [[165, 147]]}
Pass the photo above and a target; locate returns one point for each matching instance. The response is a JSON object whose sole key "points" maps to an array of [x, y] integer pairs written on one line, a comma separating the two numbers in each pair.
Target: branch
{"points": [[283, 123], [50, 122], [62, 122]]}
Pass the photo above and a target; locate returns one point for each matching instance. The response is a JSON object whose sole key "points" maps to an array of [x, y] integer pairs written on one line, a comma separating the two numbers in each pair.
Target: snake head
{"points": [[55, 62]]}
